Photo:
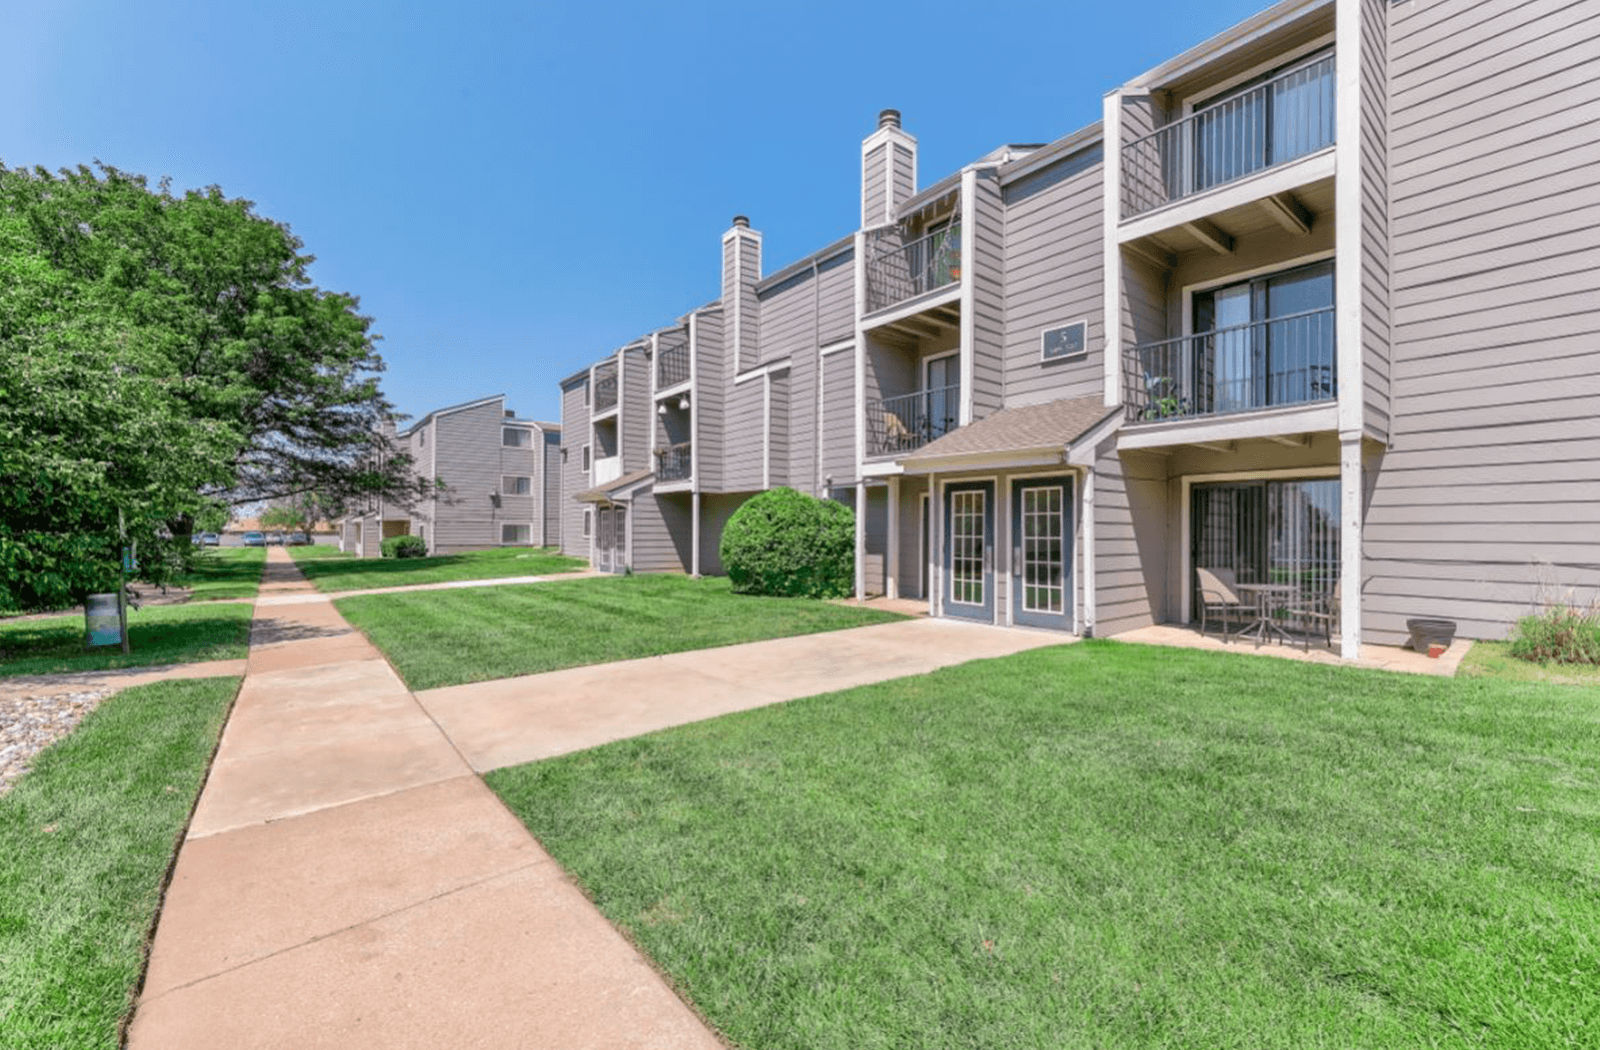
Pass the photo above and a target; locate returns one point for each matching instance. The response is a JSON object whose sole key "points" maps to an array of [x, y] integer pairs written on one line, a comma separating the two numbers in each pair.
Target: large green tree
{"points": [[160, 352]]}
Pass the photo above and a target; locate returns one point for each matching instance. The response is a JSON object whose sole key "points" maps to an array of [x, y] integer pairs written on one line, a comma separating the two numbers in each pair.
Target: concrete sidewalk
{"points": [[349, 881]]}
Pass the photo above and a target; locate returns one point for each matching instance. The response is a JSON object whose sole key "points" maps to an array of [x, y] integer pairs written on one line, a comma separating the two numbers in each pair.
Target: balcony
{"points": [[672, 366], [605, 389], [897, 425], [1286, 118], [674, 463], [897, 272], [1278, 362]]}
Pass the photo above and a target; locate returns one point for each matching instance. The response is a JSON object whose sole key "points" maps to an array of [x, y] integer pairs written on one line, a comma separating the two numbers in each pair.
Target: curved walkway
{"points": [[349, 881]]}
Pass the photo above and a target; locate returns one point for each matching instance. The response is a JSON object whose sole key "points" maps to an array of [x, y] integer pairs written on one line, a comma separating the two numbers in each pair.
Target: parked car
{"points": [[275, 539], [254, 539], [207, 539], [298, 539]]}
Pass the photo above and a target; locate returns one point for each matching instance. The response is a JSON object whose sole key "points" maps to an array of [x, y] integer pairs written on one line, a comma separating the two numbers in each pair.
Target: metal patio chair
{"points": [[1219, 595]]}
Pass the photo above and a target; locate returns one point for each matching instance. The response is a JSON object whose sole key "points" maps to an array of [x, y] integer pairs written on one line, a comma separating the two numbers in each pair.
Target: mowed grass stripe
{"points": [[1106, 845], [439, 638], [158, 634], [332, 571]]}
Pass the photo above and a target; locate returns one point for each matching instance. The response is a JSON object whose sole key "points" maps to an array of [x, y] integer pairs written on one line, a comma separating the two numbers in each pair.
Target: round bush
{"points": [[404, 547], [783, 542]]}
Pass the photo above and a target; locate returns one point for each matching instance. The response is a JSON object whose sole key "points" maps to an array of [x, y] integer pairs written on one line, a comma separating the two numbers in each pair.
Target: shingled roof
{"points": [[1052, 425]]}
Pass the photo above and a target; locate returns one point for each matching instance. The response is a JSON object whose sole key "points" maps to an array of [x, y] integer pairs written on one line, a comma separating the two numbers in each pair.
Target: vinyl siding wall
{"points": [[550, 485], [638, 410], [653, 520], [1132, 515], [839, 417], [574, 480], [710, 400], [1054, 276], [1492, 478], [988, 235], [778, 430], [1375, 339], [742, 440], [470, 459], [905, 185], [875, 184]]}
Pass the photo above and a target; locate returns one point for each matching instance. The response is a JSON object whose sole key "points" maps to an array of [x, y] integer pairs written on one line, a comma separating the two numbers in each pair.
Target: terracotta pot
{"points": [[1436, 650]]}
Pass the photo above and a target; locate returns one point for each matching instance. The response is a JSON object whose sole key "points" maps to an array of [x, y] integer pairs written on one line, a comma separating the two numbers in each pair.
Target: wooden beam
{"points": [[1161, 260], [1206, 233], [1220, 446], [1288, 212], [1291, 440]]}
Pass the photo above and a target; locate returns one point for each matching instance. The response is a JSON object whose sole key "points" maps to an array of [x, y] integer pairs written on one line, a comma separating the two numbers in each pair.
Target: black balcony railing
{"points": [[896, 272], [1287, 117], [672, 366], [1285, 360], [605, 390], [674, 463], [906, 423]]}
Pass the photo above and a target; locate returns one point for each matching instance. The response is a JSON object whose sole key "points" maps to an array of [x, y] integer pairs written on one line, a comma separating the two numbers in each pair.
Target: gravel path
{"points": [[29, 724]]}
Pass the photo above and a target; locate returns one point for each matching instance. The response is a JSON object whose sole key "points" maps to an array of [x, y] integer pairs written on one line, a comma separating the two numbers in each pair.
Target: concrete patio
{"points": [[1379, 657]]}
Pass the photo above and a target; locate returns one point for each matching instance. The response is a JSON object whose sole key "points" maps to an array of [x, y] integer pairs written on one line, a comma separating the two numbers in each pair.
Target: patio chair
{"points": [[896, 436], [1318, 610], [1219, 596]]}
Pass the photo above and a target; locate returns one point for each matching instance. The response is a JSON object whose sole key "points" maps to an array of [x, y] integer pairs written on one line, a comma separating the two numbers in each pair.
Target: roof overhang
{"points": [[620, 491]]}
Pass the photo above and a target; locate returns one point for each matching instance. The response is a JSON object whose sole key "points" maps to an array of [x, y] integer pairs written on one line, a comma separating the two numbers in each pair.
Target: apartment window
{"points": [[422, 439], [516, 534], [588, 521], [585, 393], [514, 437], [586, 457], [515, 486], [1267, 341]]}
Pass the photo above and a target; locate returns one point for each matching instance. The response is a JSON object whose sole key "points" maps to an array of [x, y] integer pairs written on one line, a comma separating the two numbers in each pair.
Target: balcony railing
{"points": [[897, 272], [1288, 117], [1285, 360], [672, 366], [674, 463], [605, 390], [906, 423]]}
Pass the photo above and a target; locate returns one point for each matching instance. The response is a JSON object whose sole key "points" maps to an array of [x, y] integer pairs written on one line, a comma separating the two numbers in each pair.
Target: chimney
{"points": [[888, 170], [741, 269]]}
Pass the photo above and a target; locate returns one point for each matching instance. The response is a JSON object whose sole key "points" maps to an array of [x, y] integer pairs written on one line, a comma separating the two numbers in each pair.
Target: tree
{"points": [[161, 353]]}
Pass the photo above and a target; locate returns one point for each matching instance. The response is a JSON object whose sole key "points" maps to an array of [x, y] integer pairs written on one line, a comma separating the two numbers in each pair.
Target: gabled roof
{"points": [[616, 488], [1048, 427], [448, 409]]}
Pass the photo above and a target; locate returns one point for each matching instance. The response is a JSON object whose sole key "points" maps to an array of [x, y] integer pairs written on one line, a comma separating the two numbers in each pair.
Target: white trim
{"points": [[1079, 356], [677, 390], [1188, 481], [1347, 209], [653, 364], [940, 296], [1043, 456], [1085, 625], [836, 347], [882, 469], [858, 420], [891, 557], [1229, 40], [968, 339], [1268, 182], [694, 426], [766, 432], [1084, 449], [1111, 249], [586, 463], [601, 417], [1351, 486], [757, 373], [1322, 416]]}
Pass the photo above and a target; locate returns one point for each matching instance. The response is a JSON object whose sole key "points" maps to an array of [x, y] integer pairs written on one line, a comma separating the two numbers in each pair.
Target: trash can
{"points": [[1426, 633], [105, 625]]}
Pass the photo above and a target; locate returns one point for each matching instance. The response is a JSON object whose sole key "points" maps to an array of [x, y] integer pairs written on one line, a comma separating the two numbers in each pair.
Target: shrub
{"points": [[783, 542], [1561, 634], [405, 547]]}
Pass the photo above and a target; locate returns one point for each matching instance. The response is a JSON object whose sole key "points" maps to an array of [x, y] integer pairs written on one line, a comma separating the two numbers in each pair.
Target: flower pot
{"points": [[1427, 633], [955, 273], [1436, 650]]}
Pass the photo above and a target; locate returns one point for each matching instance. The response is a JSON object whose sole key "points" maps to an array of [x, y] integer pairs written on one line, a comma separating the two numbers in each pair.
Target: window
{"points": [[1270, 119], [588, 522], [1271, 339], [514, 437], [422, 439], [586, 457], [518, 534], [585, 393], [515, 486]]}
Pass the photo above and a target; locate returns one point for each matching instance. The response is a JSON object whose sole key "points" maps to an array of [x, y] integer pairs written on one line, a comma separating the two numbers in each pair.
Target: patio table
{"points": [[1265, 593]]}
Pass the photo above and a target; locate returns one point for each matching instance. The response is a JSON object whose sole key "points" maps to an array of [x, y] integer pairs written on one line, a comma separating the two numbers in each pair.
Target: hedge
{"points": [[404, 547], [786, 543]]}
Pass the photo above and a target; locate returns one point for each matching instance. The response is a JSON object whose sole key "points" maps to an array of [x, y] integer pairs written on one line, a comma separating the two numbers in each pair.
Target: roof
{"points": [[614, 488], [1052, 425], [450, 408]]}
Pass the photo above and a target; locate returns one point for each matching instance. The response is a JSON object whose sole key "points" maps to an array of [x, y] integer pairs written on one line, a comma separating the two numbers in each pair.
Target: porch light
{"points": [[661, 409], [683, 403]]}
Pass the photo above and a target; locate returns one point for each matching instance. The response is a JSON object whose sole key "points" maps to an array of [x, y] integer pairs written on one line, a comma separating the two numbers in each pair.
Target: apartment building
{"points": [[1350, 351], [502, 484]]}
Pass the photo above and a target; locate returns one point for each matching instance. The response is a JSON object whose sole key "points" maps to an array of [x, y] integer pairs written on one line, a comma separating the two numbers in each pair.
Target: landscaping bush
{"points": [[405, 547], [1561, 634], [786, 543]]}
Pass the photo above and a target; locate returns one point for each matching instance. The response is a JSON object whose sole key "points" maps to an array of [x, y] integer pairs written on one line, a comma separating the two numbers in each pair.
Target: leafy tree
{"points": [[161, 353]]}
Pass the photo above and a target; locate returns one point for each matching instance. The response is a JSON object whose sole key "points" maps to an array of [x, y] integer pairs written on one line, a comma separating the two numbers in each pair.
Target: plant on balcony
{"points": [[786, 543]]}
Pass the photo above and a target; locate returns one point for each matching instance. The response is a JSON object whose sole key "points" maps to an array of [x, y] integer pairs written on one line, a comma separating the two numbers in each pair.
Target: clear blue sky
{"points": [[515, 189]]}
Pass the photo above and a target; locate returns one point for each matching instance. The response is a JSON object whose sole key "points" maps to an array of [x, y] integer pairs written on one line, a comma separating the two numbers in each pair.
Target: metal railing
{"points": [[605, 389], [896, 272], [674, 463], [1285, 360], [672, 366], [906, 423], [1287, 117]]}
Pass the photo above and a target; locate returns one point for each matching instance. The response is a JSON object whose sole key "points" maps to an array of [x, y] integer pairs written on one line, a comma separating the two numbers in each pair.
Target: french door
{"points": [[1041, 552], [969, 550], [611, 545]]}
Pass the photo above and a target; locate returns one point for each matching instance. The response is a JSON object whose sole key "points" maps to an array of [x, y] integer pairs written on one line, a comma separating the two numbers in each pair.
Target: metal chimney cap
{"points": [[742, 221], [889, 118]]}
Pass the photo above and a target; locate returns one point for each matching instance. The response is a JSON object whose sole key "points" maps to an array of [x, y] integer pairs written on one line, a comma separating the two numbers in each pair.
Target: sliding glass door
{"points": [[1284, 533]]}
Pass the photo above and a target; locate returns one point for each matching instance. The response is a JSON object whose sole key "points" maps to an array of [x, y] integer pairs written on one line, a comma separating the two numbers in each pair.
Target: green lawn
{"points": [[1109, 846], [437, 638], [86, 837], [226, 572], [1494, 660], [332, 571], [157, 634]]}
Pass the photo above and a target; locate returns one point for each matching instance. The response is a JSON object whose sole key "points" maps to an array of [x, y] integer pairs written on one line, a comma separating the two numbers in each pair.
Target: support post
{"points": [[694, 534], [891, 559], [861, 540], [1086, 629], [1350, 513]]}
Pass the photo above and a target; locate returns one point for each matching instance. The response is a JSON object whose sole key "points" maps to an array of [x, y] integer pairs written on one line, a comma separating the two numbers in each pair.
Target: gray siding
{"points": [[638, 410], [778, 432], [655, 521], [1054, 276], [574, 430], [905, 186], [715, 510], [874, 184], [1131, 540], [1492, 478], [988, 294], [710, 399], [801, 422], [789, 316], [471, 460], [741, 269], [741, 461], [839, 417], [836, 298], [1375, 317], [909, 566], [550, 485]]}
